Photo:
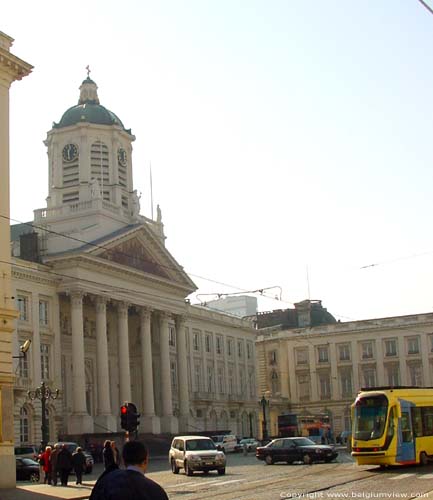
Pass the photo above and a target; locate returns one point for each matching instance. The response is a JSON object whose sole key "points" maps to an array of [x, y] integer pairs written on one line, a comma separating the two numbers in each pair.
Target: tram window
{"points": [[390, 431], [427, 420], [406, 431], [417, 422]]}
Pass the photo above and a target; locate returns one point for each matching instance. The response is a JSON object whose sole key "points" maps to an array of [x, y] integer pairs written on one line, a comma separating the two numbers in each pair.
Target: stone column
{"points": [[355, 364], [123, 349], [149, 422], [182, 366], [380, 380], [425, 350], [401, 351], [104, 421], [313, 373], [80, 422], [168, 422]]}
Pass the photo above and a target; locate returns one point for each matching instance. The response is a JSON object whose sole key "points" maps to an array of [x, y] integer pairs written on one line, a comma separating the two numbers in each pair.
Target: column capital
{"points": [[145, 312], [122, 308], [76, 297], [180, 320], [164, 315], [101, 303]]}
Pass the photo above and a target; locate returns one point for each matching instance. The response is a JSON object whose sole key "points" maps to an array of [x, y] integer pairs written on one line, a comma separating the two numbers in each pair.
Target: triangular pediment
{"points": [[140, 249], [132, 253]]}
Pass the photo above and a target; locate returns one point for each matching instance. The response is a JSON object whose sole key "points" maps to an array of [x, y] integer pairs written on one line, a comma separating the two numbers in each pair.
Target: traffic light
{"points": [[129, 417], [124, 417]]}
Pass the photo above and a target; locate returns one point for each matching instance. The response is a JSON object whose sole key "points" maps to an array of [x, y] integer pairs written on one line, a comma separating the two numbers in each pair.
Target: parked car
{"points": [[196, 453], [71, 446], [249, 443], [295, 449], [27, 469], [226, 442], [27, 451]]}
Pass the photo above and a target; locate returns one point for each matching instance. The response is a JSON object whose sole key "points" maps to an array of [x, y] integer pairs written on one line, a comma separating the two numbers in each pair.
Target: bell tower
{"points": [[90, 191]]}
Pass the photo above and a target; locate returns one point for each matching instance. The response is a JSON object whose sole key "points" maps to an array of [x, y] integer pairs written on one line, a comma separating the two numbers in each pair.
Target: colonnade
{"points": [[80, 422]]}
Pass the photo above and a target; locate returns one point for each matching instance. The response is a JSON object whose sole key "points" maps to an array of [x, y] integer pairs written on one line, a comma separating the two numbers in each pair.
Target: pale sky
{"points": [[284, 136]]}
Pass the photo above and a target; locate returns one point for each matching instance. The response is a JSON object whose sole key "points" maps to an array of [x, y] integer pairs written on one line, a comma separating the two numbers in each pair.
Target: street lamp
{"points": [[44, 394], [264, 403]]}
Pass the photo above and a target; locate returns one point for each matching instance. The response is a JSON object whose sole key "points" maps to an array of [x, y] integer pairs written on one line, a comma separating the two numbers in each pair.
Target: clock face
{"points": [[70, 152], [121, 157]]}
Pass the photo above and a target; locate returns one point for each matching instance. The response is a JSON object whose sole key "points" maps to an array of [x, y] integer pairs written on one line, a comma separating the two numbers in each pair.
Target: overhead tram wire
{"points": [[96, 245]]}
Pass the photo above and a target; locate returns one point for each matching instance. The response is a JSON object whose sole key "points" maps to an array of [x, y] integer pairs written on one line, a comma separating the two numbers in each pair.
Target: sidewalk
{"points": [[47, 492]]}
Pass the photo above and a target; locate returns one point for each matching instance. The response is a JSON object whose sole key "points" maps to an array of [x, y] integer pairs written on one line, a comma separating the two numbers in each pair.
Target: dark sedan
{"points": [[27, 469], [295, 449]]}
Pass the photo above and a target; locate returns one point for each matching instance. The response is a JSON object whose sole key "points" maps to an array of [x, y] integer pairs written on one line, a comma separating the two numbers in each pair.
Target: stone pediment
{"points": [[132, 253]]}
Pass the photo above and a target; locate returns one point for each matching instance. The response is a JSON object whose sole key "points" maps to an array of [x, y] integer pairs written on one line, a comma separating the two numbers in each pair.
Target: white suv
{"points": [[195, 453]]}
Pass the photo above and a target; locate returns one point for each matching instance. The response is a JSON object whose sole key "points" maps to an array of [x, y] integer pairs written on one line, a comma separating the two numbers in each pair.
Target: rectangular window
{"points": [[242, 381], [367, 350], [219, 345], [171, 336], [252, 384], [322, 354], [393, 374], [45, 361], [304, 387], [431, 342], [209, 379], [344, 352], [221, 380], [273, 357], [229, 347], [390, 347], [325, 386], [23, 367], [197, 377], [208, 343], [413, 345], [415, 375], [301, 357], [346, 383], [23, 307], [43, 312], [369, 377], [195, 341], [249, 350], [240, 349], [231, 382], [427, 420], [173, 373]]}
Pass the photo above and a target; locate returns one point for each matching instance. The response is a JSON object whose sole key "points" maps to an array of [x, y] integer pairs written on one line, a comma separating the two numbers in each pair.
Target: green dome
{"points": [[88, 109], [90, 113]]}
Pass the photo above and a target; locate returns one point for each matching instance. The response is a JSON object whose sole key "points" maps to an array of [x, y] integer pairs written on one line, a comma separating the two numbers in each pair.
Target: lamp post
{"points": [[264, 403], [44, 394]]}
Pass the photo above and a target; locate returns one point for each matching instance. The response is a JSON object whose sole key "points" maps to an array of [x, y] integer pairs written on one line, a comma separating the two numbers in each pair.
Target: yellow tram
{"points": [[393, 426]]}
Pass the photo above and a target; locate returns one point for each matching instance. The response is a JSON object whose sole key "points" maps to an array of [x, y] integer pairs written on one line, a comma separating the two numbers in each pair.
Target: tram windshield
{"points": [[370, 417]]}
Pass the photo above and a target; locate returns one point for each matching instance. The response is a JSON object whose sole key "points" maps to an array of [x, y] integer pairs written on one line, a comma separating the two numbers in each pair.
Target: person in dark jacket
{"points": [[130, 483], [108, 457], [79, 464], [64, 464], [53, 460]]}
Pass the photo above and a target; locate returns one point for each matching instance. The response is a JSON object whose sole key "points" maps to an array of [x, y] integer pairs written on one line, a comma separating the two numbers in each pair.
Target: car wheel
{"points": [[328, 460], [307, 459], [269, 460], [206, 472], [174, 467], [34, 477], [221, 472], [188, 470], [423, 459], [89, 470], [289, 462]]}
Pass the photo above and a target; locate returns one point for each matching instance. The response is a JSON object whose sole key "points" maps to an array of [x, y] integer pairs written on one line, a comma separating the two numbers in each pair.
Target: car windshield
{"points": [[200, 444], [217, 439], [303, 442], [29, 461], [370, 417]]}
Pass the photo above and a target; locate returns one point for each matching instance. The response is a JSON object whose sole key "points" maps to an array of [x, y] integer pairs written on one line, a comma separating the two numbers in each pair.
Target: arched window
{"points": [[24, 426]]}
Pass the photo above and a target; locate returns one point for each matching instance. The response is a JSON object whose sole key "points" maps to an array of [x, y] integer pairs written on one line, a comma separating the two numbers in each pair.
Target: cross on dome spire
{"points": [[88, 71]]}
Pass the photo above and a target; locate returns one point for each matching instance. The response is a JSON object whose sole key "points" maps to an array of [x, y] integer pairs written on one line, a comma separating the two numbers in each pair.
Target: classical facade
{"points": [[11, 68], [105, 303], [320, 369]]}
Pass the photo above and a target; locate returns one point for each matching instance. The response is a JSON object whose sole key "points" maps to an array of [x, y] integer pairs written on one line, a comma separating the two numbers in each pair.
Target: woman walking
{"points": [[108, 456], [44, 460]]}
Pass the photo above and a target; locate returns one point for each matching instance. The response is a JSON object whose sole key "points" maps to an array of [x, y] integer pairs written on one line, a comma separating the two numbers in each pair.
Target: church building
{"points": [[105, 305]]}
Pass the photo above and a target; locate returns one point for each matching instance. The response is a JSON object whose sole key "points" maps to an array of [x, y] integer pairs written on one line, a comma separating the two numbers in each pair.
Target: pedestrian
{"points": [[44, 461], [131, 483], [64, 464], [108, 457], [53, 460], [79, 464], [116, 453]]}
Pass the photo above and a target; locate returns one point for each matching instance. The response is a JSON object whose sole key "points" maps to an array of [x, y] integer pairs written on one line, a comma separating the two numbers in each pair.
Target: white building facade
{"points": [[104, 303], [320, 369]]}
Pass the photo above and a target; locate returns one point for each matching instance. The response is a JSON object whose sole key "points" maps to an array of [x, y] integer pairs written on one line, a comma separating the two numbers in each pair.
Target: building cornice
{"points": [[12, 67]]}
